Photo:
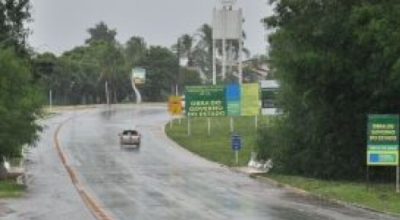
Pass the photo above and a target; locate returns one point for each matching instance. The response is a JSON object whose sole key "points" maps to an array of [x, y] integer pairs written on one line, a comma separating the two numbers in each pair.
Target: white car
{"points": [[130, 137]]}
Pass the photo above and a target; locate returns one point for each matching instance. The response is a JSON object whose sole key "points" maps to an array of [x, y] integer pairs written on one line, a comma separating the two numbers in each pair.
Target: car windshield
{"points": [[130, 132]]}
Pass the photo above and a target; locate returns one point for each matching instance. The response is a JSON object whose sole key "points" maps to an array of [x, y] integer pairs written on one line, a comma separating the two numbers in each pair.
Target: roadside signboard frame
{"points": [[383, 143], [383, 140], [205, 101], [138, 76]]}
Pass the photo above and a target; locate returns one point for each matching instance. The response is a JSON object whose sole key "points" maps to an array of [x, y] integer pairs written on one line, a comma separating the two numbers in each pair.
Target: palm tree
{"points": [[186, 43], [204, 48], [134, 50], [203, 51]]}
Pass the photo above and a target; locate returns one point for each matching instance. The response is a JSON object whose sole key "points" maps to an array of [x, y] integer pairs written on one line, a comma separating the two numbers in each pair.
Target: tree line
{"points": [[80, 76], [336, 61]]}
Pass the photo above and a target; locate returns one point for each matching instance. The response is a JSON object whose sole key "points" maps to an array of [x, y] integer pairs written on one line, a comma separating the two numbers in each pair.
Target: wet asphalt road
{"points": [[156, 182]]}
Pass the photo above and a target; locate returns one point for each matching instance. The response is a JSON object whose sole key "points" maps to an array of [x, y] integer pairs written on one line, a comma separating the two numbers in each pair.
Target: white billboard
{"points": [[227, 24], [138, 76]]}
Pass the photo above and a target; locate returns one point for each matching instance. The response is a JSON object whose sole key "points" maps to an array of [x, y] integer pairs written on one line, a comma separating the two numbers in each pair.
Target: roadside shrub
{"points": [[20, 104]]}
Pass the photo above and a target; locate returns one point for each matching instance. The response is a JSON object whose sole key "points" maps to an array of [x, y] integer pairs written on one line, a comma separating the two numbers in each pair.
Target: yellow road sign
{"points": [[175, 105]]}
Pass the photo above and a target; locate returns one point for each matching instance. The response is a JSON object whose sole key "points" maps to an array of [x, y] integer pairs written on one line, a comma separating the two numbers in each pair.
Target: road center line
{"points": [[94, 206]]}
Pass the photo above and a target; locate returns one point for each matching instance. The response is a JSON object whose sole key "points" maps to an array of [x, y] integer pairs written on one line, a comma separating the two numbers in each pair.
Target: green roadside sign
{"points": [[221, 100], [205, 101], [383, 140]]}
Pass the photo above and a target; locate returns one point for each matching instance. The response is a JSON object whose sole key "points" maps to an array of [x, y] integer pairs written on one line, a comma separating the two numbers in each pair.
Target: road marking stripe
{"points": [[98, 212]]}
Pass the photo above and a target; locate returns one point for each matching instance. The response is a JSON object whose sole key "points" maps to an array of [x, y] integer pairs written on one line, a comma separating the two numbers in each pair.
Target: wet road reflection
{"points": [[161, 181]]}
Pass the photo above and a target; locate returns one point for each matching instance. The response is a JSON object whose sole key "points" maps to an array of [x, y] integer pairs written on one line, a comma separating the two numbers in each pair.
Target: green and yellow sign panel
{"points": [[205, 101], [219, 101], [250, 96], [383, 140]]}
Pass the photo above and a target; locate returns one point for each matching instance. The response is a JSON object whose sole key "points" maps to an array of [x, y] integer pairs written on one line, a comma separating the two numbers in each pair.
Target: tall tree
{"points": [[185, 47], [20, 104], [101, 32], [135, 49], [109, 57], [13, 15], [203, 51], [336, 61], [162, 74]]}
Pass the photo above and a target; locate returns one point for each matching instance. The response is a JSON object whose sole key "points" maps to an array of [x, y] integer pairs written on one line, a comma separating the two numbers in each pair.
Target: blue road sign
{"points": [[236, 142]]}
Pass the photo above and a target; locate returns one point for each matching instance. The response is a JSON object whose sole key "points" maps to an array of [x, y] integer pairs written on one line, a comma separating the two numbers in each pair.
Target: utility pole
{"points": [[107, 94], [51, 99], [179, 67], [240, 53], [214, 62]]}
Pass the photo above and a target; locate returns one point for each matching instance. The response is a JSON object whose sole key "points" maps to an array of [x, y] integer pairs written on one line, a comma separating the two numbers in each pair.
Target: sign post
{"points": [[398, 180], [383, 142], [232, 125], [236, 146], [189, 129], [51, 99], [209, 126]]}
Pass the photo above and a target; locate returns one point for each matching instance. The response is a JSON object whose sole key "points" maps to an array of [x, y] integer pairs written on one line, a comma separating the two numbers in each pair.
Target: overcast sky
{"points": [[60, 25]]}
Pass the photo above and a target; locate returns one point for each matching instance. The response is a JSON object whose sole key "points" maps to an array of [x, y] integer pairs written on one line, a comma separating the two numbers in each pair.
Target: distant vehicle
{"points": [[130, 137]]}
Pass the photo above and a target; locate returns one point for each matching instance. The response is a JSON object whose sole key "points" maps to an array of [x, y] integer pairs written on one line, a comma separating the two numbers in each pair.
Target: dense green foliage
{"points": [[13, 15], [101, 32], [19, 104], [20, 100], [81, 74], [336, 62], [162, 68]]}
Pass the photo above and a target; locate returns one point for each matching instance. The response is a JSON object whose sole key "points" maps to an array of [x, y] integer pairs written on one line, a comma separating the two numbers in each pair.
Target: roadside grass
{"points": [[10, 189], [217, 146], [380, 197]]}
